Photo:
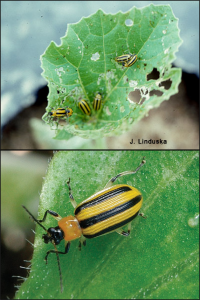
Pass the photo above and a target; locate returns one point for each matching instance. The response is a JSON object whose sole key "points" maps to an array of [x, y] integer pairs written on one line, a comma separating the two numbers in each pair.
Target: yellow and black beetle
{"points": [[61, 112], [104, 212], [131, 61], [123, 58], [127, 60], [97, 101], [84, 107]]}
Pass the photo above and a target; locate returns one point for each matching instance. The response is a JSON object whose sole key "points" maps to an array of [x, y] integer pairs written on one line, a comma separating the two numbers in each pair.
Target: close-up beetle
{"points": [[106, 211]]}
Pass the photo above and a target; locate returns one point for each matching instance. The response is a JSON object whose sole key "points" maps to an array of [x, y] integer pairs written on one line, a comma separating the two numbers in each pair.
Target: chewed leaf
{"points": [[84, 65]]}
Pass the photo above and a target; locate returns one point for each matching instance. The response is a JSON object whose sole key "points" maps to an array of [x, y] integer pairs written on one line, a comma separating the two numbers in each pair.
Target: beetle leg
{"points": [[53, 214], [82, 241], [112, 180], [73, 202], [125, 233], [67, 246], [142, 215]]}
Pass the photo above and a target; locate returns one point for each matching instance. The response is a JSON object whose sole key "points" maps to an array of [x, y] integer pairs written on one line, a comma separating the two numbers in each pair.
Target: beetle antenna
{"points": [[53, 242], [59, 268], [34, 219]]}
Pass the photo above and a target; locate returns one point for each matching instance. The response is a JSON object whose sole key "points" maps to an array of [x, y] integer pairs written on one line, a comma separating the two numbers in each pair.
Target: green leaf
{"points": [[159, 260], [84, 64]]}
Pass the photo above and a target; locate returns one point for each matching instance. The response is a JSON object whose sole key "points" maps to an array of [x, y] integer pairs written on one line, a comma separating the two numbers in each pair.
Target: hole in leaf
{"points": [[155, 74], [166, 84], [156, 92], [129, 22], [134, 96]]}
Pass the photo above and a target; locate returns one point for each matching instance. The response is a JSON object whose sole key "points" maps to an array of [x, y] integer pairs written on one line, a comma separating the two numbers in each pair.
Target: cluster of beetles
{"points": [[127, 60]]}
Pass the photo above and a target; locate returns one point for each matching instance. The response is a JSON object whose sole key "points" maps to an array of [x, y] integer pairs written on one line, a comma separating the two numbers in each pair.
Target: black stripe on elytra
{"points": [[102, 198], [110, 213], [61, 113], [111, 228], [85, 107]]}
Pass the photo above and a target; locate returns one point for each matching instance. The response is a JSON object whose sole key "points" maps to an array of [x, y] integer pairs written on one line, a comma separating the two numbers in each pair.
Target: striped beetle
{"points": [[61, 112], [106, 211], [84, 107], [123, 58], [97, 101], [127, 60], [131, 61]]}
